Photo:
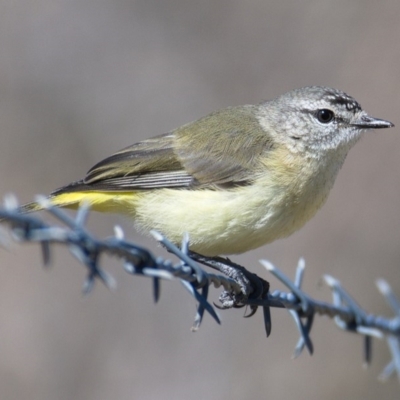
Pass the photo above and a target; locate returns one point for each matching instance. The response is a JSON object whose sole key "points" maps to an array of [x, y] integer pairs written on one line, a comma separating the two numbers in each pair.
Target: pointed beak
{"points": [[367, 122]]}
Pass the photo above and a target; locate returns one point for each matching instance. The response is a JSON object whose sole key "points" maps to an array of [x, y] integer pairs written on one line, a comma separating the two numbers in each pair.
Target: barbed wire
{"points": [[240, 286]]}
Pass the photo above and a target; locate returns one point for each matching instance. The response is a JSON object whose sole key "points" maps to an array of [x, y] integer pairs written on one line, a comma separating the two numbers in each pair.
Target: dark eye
{"points": [[325, 116]]}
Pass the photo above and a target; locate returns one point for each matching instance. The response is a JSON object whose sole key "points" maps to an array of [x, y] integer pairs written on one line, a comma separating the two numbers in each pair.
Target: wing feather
{"points": [[215, 151]]}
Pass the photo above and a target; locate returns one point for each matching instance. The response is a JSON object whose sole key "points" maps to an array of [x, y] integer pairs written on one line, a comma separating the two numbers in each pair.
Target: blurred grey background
{"points": [[82, 79]]}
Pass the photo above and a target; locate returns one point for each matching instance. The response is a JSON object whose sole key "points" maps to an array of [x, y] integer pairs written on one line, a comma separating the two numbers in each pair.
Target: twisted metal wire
{"points": [[347, 314]]}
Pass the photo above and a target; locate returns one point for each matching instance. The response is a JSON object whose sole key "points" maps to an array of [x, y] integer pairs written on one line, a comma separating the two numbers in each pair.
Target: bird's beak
{"points": [[367, 122]]}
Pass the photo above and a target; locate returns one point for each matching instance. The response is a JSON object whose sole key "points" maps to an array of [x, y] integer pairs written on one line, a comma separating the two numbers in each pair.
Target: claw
{"points": [[221, 307], [252, 312]]}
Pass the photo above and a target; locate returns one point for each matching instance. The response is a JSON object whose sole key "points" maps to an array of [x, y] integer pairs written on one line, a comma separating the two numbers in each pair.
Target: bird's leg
{"points": [[252, 286]]}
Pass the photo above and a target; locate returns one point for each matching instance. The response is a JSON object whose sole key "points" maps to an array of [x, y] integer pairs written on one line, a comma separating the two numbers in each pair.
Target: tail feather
{"points": [[26, 208], [54, 200], [98, 201], [120, 203], [30, 207], [58, 198]]}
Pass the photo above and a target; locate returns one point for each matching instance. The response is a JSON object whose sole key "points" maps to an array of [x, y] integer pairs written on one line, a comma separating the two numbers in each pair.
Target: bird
{"points": [[233, 180]]}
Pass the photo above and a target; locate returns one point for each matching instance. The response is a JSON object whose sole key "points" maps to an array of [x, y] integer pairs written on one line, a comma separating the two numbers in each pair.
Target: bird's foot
{"points": [[251, 285]]}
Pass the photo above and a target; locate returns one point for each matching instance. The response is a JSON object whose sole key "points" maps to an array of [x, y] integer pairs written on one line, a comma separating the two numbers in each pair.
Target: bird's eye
{"points": [[325, 116]]}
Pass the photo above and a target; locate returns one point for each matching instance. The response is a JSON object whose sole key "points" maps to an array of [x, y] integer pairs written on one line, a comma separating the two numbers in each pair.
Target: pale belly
{"points": [[228, 222]]}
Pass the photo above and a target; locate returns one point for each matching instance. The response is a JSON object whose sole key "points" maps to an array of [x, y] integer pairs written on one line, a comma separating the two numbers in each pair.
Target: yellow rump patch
{"points": [[115, 202]]}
